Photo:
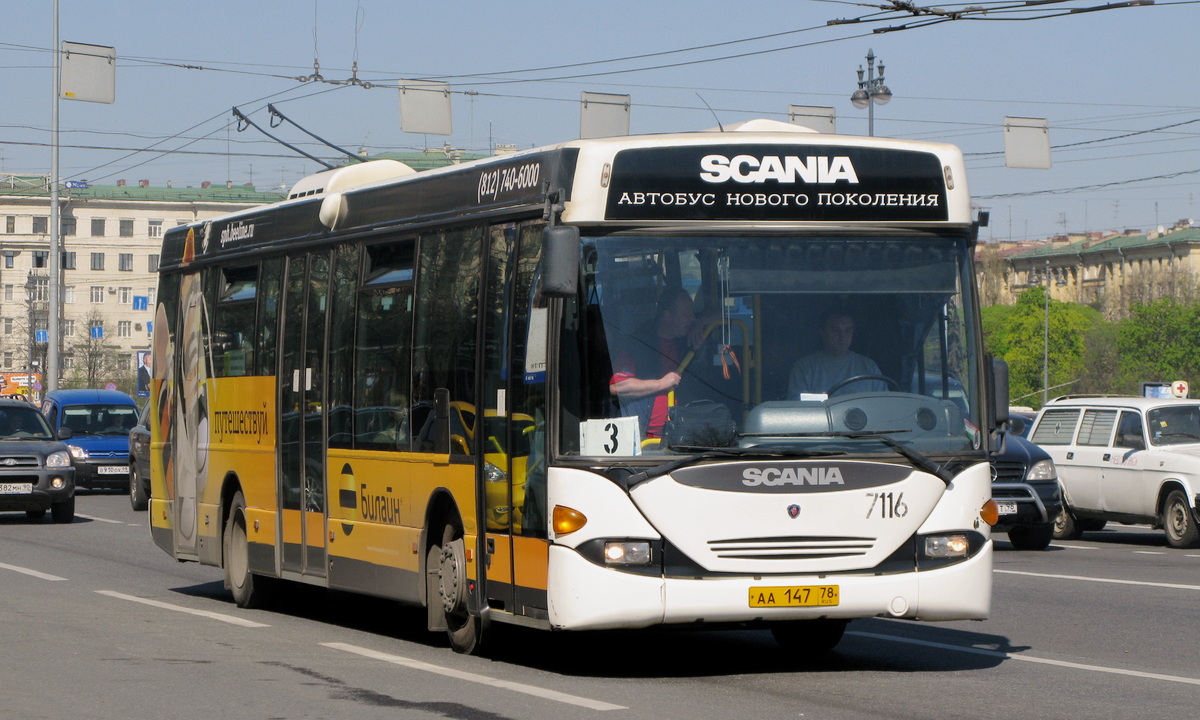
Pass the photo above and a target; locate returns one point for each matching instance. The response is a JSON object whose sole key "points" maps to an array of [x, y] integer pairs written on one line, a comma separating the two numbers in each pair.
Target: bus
{"points": [[408, 385]]}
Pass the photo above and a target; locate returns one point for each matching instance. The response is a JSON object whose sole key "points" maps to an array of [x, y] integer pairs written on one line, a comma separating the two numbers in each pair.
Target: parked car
{"points": [[1125, 459], [139, 461], [99, 421], [36, 474], [1025, 488]]}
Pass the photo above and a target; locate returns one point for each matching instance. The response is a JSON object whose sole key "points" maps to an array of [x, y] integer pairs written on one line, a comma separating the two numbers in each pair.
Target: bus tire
{"points": [[806, 637], [1179, 522], [249, 590], [449, 559]]}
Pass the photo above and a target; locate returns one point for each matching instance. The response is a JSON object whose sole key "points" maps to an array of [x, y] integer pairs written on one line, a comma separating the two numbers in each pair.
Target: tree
{"points": [[1158, 342], [1018, 336], [96, 362]]}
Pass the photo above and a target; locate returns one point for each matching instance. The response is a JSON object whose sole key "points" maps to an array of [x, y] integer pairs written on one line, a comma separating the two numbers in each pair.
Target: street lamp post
{"points": [[871, 91], [1046, 341]]}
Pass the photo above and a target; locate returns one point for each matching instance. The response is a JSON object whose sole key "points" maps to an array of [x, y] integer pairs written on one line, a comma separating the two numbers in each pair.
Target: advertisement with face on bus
{"points": [[691, 379]]}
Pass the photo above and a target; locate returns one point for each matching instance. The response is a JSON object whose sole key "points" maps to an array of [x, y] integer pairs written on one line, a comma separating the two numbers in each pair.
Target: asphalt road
{"points": [[97, 622]]}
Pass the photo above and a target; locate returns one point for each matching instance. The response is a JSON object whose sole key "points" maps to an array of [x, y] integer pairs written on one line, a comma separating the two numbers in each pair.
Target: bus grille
{"points": [[791, 548]]}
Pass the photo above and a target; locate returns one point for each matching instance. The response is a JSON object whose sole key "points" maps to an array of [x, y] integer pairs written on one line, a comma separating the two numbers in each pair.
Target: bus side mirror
{"points": [[560, 261], [998, 391]]}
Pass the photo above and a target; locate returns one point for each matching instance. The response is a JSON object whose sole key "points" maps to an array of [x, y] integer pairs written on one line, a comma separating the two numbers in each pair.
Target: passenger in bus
{"points": [[821, 371], [649, 367]]}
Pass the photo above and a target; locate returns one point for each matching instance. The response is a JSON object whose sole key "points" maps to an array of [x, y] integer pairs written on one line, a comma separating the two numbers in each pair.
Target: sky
{"points": [[1120, 88]]}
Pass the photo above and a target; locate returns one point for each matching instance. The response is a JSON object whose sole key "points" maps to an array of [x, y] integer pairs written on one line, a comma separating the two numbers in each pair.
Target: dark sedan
{"points": [[139, 461]]}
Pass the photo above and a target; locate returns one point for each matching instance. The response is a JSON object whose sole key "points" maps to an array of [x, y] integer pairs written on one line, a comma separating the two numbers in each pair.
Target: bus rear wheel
{"points": [[249, 590], [447, 570]]}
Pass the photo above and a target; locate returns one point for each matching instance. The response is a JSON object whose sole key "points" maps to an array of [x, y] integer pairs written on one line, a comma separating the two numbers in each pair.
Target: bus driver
{"points": [[821, 371]]}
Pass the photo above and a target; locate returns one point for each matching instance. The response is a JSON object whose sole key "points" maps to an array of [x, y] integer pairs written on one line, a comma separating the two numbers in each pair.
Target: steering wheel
{"points": [[892, 384]]}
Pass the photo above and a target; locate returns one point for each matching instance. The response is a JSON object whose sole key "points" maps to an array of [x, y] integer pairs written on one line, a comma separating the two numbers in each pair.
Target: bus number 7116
{"points": [[890, 505]]}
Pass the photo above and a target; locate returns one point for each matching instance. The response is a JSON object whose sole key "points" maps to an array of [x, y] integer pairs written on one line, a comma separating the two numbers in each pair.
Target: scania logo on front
{"points": [[772, 477], [814, 169]]}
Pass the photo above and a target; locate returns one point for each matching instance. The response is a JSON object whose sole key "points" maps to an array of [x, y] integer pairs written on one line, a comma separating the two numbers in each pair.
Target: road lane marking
{"points": [[472, 677], [1073, 547], [1114, 581], [99, 519], [231, 619], [33, 573], [1026, 658], [1148, 552]]}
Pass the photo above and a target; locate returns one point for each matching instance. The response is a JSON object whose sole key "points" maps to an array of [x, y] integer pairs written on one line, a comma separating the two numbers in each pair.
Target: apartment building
{"points": [[111, 239]]}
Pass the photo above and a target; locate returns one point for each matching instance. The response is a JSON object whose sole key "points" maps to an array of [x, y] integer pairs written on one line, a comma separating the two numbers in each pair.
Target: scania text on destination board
{"points": [[776, 182]]}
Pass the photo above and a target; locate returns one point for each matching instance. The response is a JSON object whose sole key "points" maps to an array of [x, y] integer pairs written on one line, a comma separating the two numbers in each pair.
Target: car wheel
{"points": [[1178, 521], [63, 512], [249, 590], [1065, 527], [137, 496], [1031, 537], [806, 637]]}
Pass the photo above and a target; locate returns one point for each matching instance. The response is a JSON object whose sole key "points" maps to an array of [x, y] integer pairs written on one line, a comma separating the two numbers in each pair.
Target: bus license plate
{"points": [[1006, 507], [16, 488], [113, 470], [794, 596]]}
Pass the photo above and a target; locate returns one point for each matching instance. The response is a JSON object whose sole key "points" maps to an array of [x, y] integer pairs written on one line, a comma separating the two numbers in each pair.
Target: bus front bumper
{"points": [[586, 596]]}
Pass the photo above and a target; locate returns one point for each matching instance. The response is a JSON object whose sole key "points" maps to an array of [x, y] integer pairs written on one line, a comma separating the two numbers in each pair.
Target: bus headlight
{"points": [[77, 452], [947, 546], [628, 552]]}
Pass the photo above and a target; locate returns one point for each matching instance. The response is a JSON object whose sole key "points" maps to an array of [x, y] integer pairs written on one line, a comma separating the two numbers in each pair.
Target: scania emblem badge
{"points": [[793, 511]]}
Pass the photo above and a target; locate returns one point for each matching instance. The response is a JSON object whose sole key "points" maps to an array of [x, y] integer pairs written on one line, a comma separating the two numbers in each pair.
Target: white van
{"points": [[1126, 459]]}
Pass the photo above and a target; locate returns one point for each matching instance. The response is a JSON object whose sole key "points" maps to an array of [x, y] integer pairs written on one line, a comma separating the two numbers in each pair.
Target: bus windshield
{"points": [[776, 343]]}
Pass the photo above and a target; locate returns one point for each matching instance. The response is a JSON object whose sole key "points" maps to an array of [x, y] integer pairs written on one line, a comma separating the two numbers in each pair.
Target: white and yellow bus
{"points": [[406, 385]]}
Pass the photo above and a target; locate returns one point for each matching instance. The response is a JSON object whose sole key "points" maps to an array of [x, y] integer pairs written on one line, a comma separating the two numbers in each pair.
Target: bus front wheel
{"points": [[808, 637], [447, 570]]}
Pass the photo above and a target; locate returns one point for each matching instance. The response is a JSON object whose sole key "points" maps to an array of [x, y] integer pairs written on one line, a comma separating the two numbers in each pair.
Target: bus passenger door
{"points": [[511, 427], [302, 416]]}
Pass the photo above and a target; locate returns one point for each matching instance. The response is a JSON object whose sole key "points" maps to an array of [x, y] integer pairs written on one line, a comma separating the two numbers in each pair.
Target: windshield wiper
{"points": [[918, 460], [707, 453]]}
